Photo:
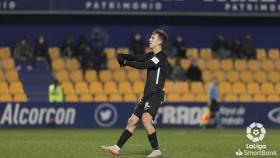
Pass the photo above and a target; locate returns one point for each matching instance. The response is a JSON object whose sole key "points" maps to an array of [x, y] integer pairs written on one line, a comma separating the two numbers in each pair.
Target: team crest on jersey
{"points": [[155, 60], [147, 106]]}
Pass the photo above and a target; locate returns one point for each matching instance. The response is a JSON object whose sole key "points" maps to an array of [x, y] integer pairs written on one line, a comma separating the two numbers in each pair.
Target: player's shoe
{"points": [[111, 149], [155, 153]]}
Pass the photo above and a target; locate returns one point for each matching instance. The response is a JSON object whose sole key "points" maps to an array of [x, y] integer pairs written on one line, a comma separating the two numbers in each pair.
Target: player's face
{"points": [[154, 40]]}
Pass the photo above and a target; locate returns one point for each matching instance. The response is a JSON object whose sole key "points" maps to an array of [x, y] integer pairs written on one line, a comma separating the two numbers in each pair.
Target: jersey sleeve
{"points": [[152, 62], [139, 58]]}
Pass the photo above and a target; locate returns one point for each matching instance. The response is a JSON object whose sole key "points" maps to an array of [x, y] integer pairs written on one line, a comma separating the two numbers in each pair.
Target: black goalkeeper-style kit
{"points": [[156, 65]]}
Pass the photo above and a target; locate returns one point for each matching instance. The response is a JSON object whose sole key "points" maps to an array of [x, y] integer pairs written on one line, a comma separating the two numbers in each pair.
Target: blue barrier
{"points": [[104, 115]]}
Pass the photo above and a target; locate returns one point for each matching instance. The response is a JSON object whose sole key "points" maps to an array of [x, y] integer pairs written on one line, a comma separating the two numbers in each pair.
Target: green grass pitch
{"points": [[85, 143]]}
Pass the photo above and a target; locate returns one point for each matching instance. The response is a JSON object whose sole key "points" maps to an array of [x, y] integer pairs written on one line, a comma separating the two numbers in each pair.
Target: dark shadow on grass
{"points": [[145, 152], [138, 153]]}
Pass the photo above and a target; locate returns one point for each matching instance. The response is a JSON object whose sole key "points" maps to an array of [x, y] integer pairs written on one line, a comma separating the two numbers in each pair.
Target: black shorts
{"points": [[150, 105], [214, 107]]}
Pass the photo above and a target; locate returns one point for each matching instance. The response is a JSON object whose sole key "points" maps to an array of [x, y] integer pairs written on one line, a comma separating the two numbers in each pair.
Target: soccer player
{"points": [[156, 64]]}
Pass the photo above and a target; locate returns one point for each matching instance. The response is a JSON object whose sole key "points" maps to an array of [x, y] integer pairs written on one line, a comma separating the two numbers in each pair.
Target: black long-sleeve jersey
{"points": [[156, 65]]}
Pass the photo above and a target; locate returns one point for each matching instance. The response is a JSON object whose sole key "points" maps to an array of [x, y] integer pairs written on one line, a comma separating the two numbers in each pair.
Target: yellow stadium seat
{"points": [[277, 88], [123, 50], [220, 75], [213, 65], [119, 75], [133, 76], [71, 98], [110, 53], [72, 64], [2, 76], [68, 88], [110, 87], [4, 88], [125, 87], [253, 88], [113, 64], [105, 75], [260, 76], [169, 87], [5, 53], [90, 76], [202, 98], [181, 87], [96, 87], [62, 76], [254, 65], [144, 75], [274, 76], [246, 76], [206, 86], [225, 88], [8, 64], [277, 65], [192, 53], [197, 88], [58, 64], [267, 88], [245, 98], [261, 54], [173, 98], [138, 87], [230, 98], [16, 88], [226, 65], [76, 76], [20, 98], [128, 68], [240, 65], [101, 97], [201, 64], [260, 98], [171, 61], [185, 63], [12, 76], [239, 88], [54, 53], [207, 76], [273, 54], [86, 98], [81, 88], [188, 98], [115, 98], [130, 98], [267, 65], [206, 53], [6, 98], [233, 76], [273, 98]]}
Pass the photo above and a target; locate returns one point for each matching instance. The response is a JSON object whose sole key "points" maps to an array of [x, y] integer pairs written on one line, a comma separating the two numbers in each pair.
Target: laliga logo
{"points": [[256, 132], [105, 115]]}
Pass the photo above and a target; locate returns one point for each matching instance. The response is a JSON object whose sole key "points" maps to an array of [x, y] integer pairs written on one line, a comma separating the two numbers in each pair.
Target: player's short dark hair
{"points": [[162, 36]]}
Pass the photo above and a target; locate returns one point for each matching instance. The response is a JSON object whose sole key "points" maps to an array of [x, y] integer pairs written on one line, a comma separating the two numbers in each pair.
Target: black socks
{"points": [[124, 137], [153, 140], [127, 134]]}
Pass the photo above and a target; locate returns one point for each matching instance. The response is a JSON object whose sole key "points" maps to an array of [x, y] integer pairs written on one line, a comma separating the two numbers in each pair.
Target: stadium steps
{"points": [[36, 82]]}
